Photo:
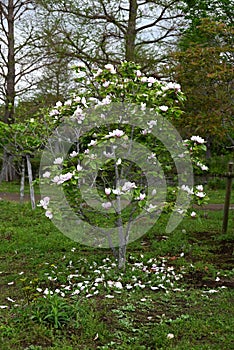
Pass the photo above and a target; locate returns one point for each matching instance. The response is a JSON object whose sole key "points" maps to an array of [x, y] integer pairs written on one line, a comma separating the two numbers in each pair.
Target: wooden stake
{"points": [[229, 177]]}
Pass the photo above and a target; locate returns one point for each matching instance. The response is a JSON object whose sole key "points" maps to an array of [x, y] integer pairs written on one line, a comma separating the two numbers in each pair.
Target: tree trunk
{"points": [[10, 77], [30, 179], [130, 36], [22, 182], [8, 172]]}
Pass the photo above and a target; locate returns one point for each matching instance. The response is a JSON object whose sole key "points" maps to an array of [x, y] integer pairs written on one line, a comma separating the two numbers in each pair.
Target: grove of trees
{"points": [[189, 41]]}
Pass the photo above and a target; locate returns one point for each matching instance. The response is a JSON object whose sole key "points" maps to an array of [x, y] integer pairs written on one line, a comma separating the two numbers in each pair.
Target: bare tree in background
{"points": [[101, 31]]}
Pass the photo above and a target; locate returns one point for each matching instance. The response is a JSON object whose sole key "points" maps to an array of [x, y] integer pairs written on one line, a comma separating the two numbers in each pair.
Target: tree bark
{"points": [[30, 179], [10, 77], [130, 36], [22, 182]]}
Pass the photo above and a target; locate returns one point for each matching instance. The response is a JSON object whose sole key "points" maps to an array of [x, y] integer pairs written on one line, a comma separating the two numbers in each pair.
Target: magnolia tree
{"points": [[115, 161]]}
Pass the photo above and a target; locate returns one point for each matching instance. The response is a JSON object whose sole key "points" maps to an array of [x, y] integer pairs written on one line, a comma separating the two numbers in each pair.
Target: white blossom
{"points": [[58, 161], [46, 174], [49, 214], [111, 68], [115, 133], [128, 186], [73, 154], [187, 189], [107, 191], [197, 139], [107, 205], [163, 108]]}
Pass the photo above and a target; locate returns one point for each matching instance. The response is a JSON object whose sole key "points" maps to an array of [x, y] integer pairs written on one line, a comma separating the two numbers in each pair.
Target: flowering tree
{"points": [[105, 170]]}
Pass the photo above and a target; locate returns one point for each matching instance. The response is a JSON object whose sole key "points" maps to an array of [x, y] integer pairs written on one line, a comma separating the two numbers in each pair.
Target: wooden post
{"points": [[229, 177], [30, 180]]}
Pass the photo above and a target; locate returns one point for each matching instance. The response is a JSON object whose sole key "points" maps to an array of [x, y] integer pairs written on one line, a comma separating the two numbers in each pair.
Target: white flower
{"points": [[152, 123], [99, 71], [79, 167], [119, 161], [106, 205], [58, 104], [107, 191], [111, 68], [128, 186], [11, 300], [172, 86], [200, 194], [151, 80], [144, 79], [151, 207], [117, 191], [73, 154], [78, 115], [92, 143], [143, 106], [170, 336], [187, 189], [163, 108], [141, 197], [118, 285], [32, 120], [193, 214], [197, 139], [154, 288], [108, 155], [47, 291], [199, 188], [77, 98], [68, 103], [138, 73], [145, 132], [44, 202], [106, 84], [59, 179], [49, 214], [152, 156], [46, 174], [83, 100], [58, 161], [106, 100], [202, 166], [54, 112], [115, 133]]}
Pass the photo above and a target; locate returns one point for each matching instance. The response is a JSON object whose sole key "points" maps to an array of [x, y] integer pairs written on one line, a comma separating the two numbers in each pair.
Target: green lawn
{"points": [[176, 293]]}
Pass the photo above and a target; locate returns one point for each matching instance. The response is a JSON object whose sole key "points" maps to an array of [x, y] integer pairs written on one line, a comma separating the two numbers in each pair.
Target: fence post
{"points": [[229, 175]]}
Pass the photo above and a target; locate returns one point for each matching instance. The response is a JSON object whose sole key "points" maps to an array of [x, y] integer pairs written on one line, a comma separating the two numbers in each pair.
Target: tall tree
{"points": [[21, 60], [104, 31], [204, 67]]}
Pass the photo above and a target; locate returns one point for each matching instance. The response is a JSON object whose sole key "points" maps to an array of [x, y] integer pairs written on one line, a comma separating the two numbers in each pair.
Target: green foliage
{"points": [[205, 70]]}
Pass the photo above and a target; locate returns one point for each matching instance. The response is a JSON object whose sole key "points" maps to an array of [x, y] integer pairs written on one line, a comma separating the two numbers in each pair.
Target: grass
{"points": [[56, 294], [14, 187]]}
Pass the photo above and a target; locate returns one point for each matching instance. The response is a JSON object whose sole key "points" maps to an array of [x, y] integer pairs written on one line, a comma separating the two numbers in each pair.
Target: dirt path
{"points": [[16, 198]]}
